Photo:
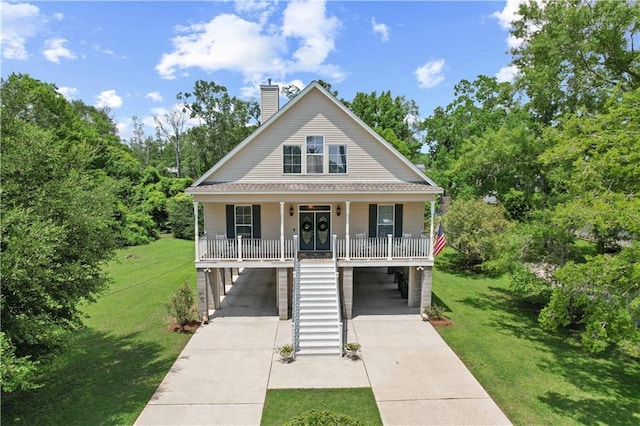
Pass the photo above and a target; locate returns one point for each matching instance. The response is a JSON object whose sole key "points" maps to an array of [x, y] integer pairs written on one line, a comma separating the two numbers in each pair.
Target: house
{"points": [[312, 182]]}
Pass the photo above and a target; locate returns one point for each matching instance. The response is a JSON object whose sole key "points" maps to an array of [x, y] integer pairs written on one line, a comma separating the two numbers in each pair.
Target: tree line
{"points": [[533, 168]]}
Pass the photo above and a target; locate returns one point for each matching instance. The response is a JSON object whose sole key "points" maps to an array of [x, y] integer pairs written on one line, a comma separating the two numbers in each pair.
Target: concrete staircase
{"points": [[319, 324]]}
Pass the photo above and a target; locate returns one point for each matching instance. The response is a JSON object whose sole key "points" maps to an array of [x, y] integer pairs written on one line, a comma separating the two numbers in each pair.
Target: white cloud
{"points": [[508, 14], [68, 92], [507, 73], [109, 99], [381, 29], [255, 48], [58, 16], [20, 22], [154, 96], [430, 74], [55, 50]]}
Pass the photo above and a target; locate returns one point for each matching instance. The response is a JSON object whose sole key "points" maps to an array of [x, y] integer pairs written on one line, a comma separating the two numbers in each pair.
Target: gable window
{"points": [[291, 159], [385, 219], [315, 154], [337, 159], [244, 222]]}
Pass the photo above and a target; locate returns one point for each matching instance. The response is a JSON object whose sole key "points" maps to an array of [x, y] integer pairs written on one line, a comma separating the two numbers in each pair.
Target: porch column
{"points": [[425, 297], [197, 231], [415, 287], [203, 294], [228, 279], [283, 292], [433, 212], [216, 281], [347, 291], [282, 231], [347, 205]]}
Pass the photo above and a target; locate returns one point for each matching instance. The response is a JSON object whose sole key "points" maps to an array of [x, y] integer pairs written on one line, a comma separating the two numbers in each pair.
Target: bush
{"points": [[323, 418], [16, 373], [434, 312], [475, 229], [182, 307], [180, 209]]}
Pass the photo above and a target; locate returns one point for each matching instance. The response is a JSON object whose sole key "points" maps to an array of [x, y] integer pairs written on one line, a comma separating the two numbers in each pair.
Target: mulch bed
{"points": [[444, 322], [189, 328]]}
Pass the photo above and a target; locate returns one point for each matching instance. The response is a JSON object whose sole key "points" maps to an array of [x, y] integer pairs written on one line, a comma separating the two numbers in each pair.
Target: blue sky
{"points": [[134, 57]]}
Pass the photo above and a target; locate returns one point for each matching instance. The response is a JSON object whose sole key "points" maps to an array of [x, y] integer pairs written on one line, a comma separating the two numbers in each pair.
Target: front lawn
{"points": [[535, 377], [281, 405], [109, 370]]}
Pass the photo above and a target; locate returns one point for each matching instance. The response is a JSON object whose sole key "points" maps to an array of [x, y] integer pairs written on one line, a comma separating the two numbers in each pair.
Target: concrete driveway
{"points": [[222, 375]]}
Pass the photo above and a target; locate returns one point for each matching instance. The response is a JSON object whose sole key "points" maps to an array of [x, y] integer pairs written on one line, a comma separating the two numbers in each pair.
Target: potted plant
{"points": [[351, 349], [286, 353]]}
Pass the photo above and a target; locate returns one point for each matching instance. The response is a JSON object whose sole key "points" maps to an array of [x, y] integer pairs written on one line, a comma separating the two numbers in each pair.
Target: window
{"points": [[315, 154], [244, 223], [385, 219], [337, 159], [291, 159]]}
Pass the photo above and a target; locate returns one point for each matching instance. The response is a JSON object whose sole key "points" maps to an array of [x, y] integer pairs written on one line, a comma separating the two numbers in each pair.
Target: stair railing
{"points": [[295, 303], [341, 322]]}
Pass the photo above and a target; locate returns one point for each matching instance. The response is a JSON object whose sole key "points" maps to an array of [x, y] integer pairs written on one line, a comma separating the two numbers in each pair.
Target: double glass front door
{"points": [[315, 228]]}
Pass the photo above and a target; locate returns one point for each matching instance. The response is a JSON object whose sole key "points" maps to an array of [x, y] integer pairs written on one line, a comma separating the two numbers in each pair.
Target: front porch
{"points": [[343, 249]]}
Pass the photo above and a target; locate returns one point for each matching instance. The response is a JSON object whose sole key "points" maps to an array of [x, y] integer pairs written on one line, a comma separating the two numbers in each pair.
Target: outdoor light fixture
{"points": [[338, 210], [291, 211]]}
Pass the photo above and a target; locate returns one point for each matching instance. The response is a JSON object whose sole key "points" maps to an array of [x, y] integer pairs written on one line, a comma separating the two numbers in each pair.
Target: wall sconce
{"points": [[338, 210], [291, 211]]}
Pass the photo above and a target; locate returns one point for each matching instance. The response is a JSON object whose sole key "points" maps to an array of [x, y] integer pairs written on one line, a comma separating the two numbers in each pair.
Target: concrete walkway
{"points": [[222, 375]]}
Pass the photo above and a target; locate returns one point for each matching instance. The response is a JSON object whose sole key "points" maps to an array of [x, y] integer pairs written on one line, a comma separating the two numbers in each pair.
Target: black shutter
{"points": [[373, 220], [255, 212], [231, 221], [397, 224]]}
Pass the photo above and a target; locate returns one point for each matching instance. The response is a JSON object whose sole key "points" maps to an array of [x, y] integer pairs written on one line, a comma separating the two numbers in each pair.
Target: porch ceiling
{"points": [[315, 188]]}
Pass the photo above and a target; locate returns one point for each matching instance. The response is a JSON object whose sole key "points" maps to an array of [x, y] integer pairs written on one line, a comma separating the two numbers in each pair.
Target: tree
{"points": [[476, 230], [226, 121], [479, 106], [574, 52], [171, 125], [393, 118], [60, 165]]}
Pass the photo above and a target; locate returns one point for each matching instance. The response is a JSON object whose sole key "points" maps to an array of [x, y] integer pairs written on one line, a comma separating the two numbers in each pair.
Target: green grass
{"points": [[534, 376], [108, 371], [281, 405]]}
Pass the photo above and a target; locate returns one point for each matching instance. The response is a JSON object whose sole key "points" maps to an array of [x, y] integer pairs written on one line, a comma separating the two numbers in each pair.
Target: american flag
{"points": [[440, 242]]}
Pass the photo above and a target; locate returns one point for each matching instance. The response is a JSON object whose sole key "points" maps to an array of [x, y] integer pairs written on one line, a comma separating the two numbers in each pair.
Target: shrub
{"points": [[323, 418], [475, 229], [16, 373], [180, 209], [182, 307], [434, 312]]}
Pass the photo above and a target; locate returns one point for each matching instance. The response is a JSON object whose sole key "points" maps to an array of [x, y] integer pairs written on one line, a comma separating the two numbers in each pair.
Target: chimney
{"points": [[269, 101]]}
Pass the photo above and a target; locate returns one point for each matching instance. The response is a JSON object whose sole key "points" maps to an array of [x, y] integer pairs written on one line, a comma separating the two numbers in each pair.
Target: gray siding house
{"points": [[313, 182]]}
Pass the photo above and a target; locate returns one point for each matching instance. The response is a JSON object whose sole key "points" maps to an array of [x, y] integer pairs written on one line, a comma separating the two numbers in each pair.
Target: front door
{"points": [[315, 228]]}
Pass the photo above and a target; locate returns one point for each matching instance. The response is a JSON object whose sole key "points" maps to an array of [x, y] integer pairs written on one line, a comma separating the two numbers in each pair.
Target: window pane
{"points": [[291, 159], [314, 163], [338, 159], [315, 154], [315, 145], [385, 219], [244, 221]]}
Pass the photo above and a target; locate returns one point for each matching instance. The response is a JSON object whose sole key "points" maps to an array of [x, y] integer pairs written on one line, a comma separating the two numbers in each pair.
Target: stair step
{"points": [[319, 323], [330, 338], [315, 304], [318, 351], [318, 298], [319, 343], [317, 316], [319, 329]]}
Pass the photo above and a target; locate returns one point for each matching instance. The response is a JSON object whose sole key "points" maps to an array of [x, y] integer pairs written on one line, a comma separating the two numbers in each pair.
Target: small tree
{"points": [[180, 209], [475, 229], [182, 307]]}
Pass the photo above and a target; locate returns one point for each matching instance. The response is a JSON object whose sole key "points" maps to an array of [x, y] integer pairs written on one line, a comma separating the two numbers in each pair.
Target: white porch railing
{"points": [[241, 249]]}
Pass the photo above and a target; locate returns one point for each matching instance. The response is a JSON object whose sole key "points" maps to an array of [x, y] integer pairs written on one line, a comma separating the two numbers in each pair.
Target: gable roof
{"points": [[291, 104]]}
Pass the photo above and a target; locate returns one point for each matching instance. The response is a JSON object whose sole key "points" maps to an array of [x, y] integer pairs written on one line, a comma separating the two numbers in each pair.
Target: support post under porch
{"points": [[415, 287], [347, 291], [282, 284], [425, 297]]}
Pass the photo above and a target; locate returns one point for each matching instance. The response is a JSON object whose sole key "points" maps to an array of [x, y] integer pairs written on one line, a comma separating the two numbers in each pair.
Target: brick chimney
{"points": [[269, 101]]}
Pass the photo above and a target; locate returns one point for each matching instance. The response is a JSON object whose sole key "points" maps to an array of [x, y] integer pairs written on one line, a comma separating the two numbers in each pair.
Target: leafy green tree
{"points": [[15, 373], [603, 296], [476, 230], [479, 106], [180, 210], [574, 52], [394, 118], [226, 120]]}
